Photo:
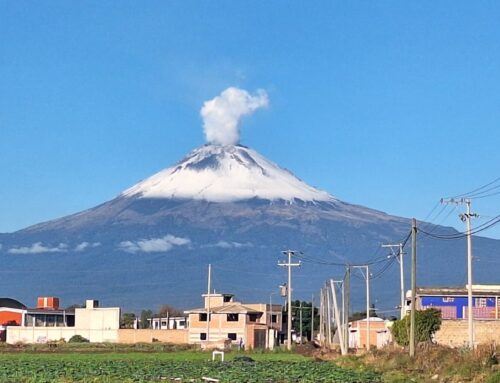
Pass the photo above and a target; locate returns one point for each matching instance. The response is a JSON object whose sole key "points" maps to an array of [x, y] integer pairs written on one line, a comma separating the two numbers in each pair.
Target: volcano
{"points": [[229, 206]]}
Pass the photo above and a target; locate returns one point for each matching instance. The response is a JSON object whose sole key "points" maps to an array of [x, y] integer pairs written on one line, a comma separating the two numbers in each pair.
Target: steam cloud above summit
{"points": [[221, 115]]}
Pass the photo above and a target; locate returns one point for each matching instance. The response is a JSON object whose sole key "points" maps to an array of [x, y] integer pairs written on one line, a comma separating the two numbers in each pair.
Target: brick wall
{"points": [[454, 333], [147, 336]]}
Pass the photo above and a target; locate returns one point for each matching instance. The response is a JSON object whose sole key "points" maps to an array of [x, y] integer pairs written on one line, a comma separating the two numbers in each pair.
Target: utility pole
{"points": [[289, 264], [208, 300], [367, 276], [312, 318], [467, 219], [413, 284], [321, 317], [338, 317], [347, 287], [300, 321], [328, 316], [401, 273]]}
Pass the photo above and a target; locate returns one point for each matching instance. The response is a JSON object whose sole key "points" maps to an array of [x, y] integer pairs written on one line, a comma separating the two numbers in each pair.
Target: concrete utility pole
{"points": [[413, 284], [312, 318], [321, 317], [300, 321], [401, 273], [289, 264], [367, 276], [208, 300], [467, 218], [338, 318], [347, 286], [328, 315]]}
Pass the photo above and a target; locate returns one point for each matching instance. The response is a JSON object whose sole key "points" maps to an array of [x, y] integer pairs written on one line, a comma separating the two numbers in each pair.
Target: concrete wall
{"points": [[147, 336], [16, 334], [454, 333], [97, 318], [95, 324]]}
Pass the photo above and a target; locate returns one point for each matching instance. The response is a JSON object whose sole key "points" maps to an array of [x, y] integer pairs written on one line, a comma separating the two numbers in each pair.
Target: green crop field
{"points": [[172, 367]]}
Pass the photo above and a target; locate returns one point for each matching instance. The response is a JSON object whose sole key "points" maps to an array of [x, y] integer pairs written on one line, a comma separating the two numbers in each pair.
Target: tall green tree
{"points": [[306, 318], [145, 315], [127, 320]]}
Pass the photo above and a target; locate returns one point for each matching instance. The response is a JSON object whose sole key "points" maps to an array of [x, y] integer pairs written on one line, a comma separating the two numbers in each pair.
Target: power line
{"points": [[478, 190], [488, 224]]}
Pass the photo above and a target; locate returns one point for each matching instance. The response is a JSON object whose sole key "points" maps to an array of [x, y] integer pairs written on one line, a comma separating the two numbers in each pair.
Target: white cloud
{"points": [[86, 245], [38, 248], [154, 245], [221, 115], [229, 245]]}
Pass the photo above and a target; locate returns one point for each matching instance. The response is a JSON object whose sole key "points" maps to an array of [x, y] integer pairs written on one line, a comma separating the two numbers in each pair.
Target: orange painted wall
{"points": [[7, 316]]}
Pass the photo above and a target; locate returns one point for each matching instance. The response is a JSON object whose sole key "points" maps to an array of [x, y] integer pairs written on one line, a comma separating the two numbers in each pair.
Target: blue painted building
{"points": [[453, 302]]}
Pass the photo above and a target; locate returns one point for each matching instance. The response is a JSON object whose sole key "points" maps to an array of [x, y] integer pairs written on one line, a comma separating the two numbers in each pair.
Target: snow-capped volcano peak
{"points": [[226, 173]]}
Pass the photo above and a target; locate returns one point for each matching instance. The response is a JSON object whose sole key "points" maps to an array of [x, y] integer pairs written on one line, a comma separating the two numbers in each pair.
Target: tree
{"points": [[427, 322], [306, 317], [169, 311], [128, 320], [145, 315]]}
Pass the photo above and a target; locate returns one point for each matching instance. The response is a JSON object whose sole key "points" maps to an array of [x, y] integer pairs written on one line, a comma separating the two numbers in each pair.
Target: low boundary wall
{"points": [[149, 336], [454, 333]]}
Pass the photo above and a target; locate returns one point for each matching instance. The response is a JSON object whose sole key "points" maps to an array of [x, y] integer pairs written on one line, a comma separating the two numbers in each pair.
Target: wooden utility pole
{"points": [[413, 284]]}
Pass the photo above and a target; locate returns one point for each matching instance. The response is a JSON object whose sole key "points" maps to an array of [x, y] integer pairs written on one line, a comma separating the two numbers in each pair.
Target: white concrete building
{"points": [[97, 324]]}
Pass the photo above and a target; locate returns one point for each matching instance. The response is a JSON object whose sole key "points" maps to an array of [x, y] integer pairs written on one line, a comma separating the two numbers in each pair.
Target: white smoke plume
{"points": [[221, 115]]}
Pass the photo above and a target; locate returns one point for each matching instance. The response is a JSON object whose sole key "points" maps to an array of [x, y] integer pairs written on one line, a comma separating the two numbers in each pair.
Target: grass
{"points": [[450, 365]]}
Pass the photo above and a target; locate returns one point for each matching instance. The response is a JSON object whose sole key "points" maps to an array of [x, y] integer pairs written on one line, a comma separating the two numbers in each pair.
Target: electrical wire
{"points": [[488, 224], [478, 190]]}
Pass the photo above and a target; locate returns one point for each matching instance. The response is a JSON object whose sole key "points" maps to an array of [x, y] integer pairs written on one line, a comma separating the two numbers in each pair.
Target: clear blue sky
{"points": [[391, 105]]}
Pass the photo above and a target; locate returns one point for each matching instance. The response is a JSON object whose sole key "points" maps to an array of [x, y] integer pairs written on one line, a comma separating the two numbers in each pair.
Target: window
{"points": [[274, 318], [227, 298], [203, 336], [232, 317], [253, 317], [203, 317], [232, 335]]}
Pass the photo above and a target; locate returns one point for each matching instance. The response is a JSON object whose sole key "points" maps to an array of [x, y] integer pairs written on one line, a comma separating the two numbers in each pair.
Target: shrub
{"points": [[427, 322], [78, 339]]}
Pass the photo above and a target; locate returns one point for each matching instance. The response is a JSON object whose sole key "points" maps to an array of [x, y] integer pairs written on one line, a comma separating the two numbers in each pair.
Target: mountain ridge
{"points": [[139, 250]]}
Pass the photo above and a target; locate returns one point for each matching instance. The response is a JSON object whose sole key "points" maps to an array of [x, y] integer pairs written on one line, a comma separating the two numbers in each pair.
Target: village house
{"points": [[224, 322], [453, 304], [168, 323], [47, 322], [380, 334]]}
